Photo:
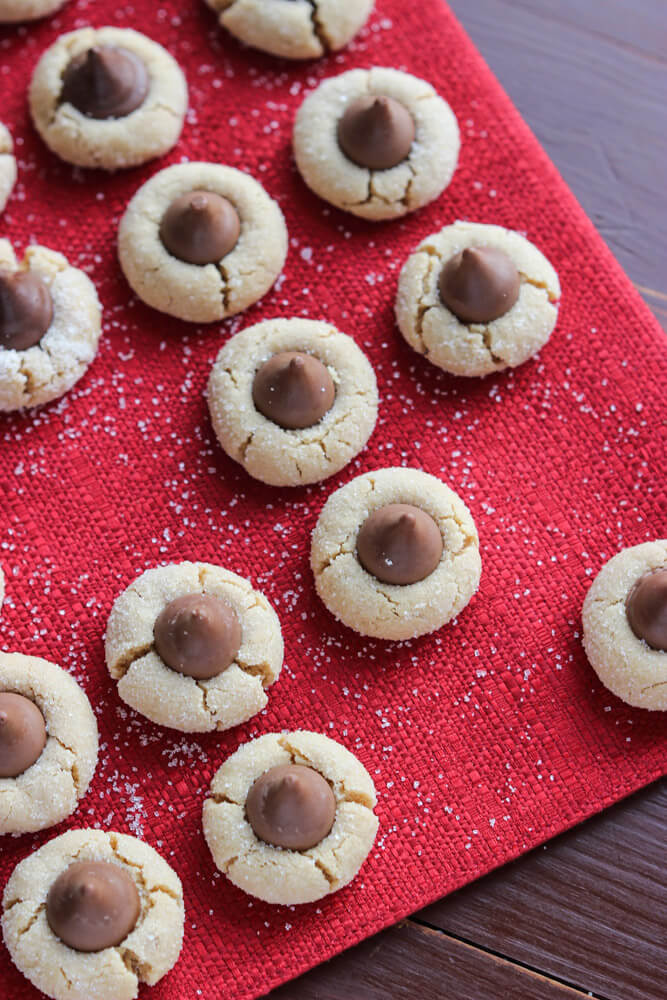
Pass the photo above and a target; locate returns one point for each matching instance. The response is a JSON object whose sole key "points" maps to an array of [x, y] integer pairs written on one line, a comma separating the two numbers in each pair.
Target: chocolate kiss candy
{"points": [[26, 310], [376, 132], [200, 227], [399, 544], [646, 608], [293, 390], [105, 82], [93, 905], [479, 284], [22, 734], [291, 806], [198, 635]]}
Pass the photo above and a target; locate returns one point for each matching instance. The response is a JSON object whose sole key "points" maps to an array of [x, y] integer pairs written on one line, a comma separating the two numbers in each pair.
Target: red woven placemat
{"points": [[483, 740]]}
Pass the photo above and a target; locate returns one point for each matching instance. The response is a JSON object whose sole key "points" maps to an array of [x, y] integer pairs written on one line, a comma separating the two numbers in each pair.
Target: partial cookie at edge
{"points": [[50, 790], [8, 172], [50, 368], [625, 664], [305, 29], [150, 950]]}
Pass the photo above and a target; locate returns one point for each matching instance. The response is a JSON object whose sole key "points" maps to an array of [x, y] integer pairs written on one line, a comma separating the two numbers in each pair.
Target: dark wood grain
{"points": [[590, 81], [409, 961], [589, 907]]}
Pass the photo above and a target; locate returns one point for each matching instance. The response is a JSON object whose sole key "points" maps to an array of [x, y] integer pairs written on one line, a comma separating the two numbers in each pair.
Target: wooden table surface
{"points": [[585, 915]]}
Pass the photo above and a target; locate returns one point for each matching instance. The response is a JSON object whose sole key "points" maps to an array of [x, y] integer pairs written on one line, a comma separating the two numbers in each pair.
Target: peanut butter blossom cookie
{"points": [[48, 744], [7, 166], [395, 554], [50, 325], [292, 400], [293, 29], [14, 11], [108, 97], [202, 241], [289, 817], [476, 299], [93, 915], [625, 625], [378, 143], [193, 646]]}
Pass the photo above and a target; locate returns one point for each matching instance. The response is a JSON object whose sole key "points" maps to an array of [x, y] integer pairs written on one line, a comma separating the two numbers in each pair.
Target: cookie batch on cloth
{"points": [[108, 97], [50, 326], [395, 554], [378, 143], [476, 299], [202, 242], [293, 29], [289, 817], [7, 166], [91, 915], [625, 625], [193, 646], [292, 400], [15, 11], [48, 743]]}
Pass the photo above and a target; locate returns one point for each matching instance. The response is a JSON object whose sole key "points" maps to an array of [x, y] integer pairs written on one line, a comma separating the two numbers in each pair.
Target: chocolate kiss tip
{"points": [[297, 364]]}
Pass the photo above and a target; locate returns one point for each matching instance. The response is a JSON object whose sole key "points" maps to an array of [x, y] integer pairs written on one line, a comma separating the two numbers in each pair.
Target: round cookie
{"points": [[139, 133], [7, 166], [462, 346], [415, 180], [292, 456], [444, 580], [201, 701], [202, 293], [279, 874], [15, 11], [625, 627], [293, 29], [49, 789], [31, 904], [44, 292]]}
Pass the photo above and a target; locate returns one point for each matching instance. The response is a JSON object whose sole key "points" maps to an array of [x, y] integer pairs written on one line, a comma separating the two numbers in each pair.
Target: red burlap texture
{"points": [[485, 739]]}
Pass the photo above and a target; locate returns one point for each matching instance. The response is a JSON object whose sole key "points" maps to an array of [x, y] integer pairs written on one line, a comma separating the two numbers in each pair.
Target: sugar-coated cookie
{"points": [[625, 625], [292, 400], [289, 817], [7, 166], [108, 97], [48, 743], [49, 329], [395, 554], [378, 143], [293, 29], [93, 914], [202, 241], [15, 11], [475, 299], [193, 646]]}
